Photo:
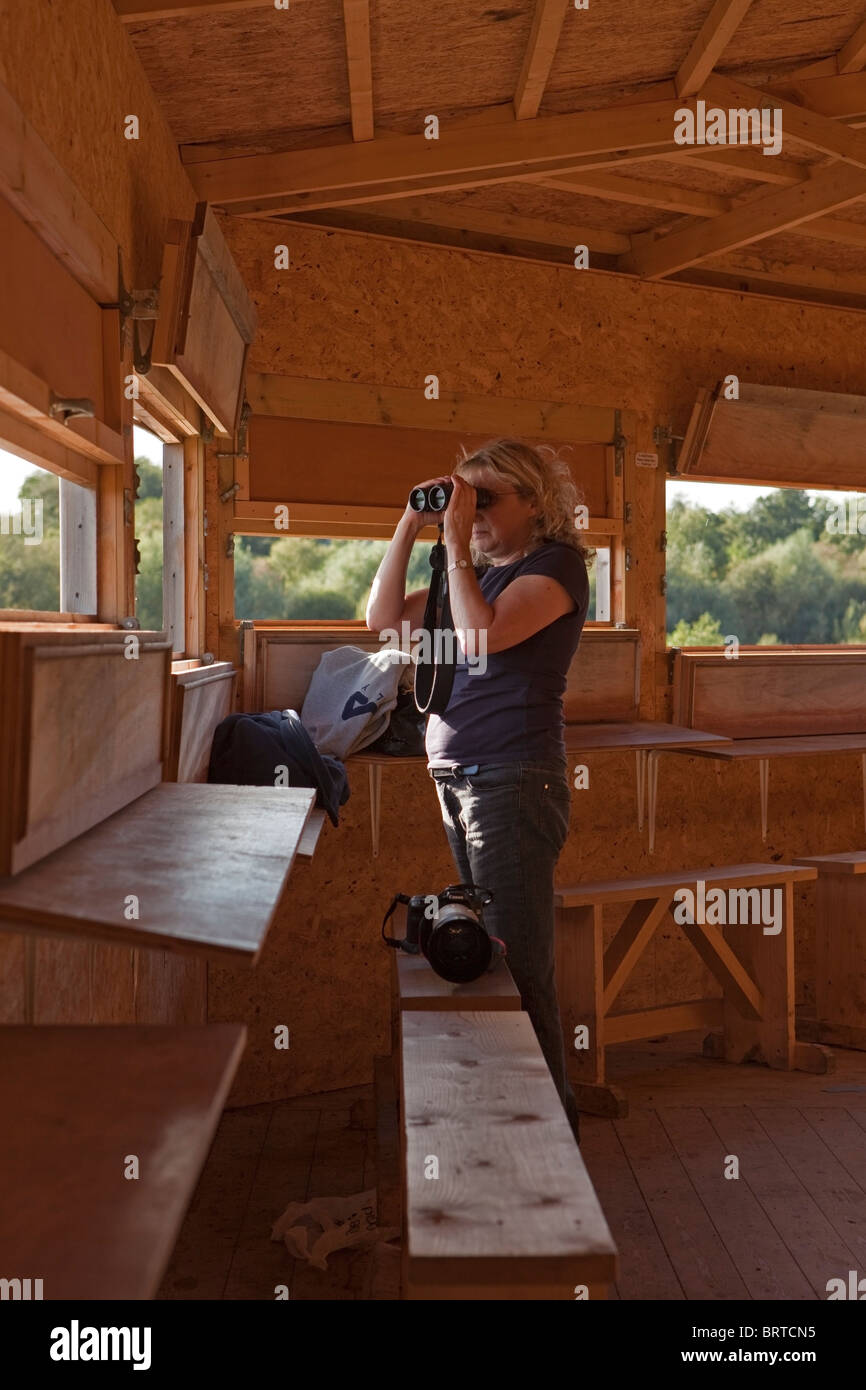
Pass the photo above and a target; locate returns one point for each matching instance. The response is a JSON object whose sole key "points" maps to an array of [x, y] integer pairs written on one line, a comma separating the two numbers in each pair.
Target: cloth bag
{"points": [[351, 696]]}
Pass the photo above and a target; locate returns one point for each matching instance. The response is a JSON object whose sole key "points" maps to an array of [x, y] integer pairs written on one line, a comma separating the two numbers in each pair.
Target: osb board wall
{"points": [[74, 73], [359, 309]]}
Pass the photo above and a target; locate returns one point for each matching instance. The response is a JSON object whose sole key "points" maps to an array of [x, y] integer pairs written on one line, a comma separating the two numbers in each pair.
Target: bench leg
{"points": [[374, 772], [579, 985], [769, 959]]}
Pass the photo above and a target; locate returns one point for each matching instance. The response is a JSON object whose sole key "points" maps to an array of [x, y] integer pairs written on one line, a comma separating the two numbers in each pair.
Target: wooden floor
{"points": [[794, 1218]]}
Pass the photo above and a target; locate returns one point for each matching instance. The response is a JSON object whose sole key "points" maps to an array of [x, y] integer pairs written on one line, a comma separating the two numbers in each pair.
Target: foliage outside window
{"points": [[790, 569]]}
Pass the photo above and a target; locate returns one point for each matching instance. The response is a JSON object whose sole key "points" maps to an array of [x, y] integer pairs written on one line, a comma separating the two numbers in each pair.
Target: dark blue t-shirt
{"points": [[513, 710]]}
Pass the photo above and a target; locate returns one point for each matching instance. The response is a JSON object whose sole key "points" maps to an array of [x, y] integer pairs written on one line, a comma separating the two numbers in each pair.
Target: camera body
{"points": [[436, 497], [447, 929]]}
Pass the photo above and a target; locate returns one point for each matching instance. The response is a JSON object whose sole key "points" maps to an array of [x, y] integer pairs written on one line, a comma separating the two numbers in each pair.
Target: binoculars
{"points": [[435, 498]]}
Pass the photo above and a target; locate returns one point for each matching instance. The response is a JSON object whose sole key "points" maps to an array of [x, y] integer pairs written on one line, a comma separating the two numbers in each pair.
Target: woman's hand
{"points": [[460, 515]]}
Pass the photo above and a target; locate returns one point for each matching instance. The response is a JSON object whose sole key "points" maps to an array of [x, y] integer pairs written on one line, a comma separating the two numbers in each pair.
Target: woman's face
{"points": [[506, 525]]}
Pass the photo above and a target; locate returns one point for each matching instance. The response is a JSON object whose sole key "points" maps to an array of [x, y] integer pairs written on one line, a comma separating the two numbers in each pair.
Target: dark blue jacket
{"points": [[247, 749]]}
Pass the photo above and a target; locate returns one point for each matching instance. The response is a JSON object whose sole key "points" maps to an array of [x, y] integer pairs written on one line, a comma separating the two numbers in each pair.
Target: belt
{"points": [[455, 770]]}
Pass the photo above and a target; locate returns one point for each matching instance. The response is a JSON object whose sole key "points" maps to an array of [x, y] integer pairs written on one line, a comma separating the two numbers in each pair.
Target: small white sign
{"points": [[647, 460]]}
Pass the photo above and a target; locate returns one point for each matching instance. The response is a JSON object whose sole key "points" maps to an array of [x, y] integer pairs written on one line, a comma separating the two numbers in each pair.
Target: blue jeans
{"points": [[506, 825]]}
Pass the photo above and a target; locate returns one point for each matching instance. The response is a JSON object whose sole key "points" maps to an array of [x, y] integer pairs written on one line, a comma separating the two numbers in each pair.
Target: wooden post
{"points": [[77, 548], [193, 541], [173, 545]]}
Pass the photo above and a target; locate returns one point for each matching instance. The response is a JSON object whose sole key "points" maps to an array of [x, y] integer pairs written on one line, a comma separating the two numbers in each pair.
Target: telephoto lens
{"points": [[436, 497]]}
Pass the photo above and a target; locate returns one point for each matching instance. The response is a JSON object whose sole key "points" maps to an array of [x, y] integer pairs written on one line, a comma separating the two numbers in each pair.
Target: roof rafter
{"points": [[852, 57], [356, 18], [141, 11], [782, 210], [715, 35], [538, 59], [459, 158]]}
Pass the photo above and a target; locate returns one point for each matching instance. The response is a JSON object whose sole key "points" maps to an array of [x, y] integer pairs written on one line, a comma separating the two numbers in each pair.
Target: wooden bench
{"points": [[511, 1212], [77, 1104], [206, 864], [840, 947], [755, 969]]}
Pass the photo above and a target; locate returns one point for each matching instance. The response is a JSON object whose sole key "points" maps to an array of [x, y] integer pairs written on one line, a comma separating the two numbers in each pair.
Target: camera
{"points": [[447, 929], [436, 497]]}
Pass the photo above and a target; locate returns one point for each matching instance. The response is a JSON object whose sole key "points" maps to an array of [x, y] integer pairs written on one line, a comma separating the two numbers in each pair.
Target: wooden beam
{"points": [[455, 159], [356, 19], [744, 164], [819, 132], [37, 186], [141, 11], [307, 398], [502, 224], [538, 59], [832, 188], [852, 58], [643, 192], [714, 37]]}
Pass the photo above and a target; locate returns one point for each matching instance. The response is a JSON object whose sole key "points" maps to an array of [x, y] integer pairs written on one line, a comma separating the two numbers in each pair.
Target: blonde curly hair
{"points": [[538, 472]]}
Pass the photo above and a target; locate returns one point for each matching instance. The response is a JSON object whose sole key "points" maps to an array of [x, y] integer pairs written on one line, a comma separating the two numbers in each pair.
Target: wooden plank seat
{"points": [[752, 961], [511, 1212], [840, 947], [78, 1102], [310, 835], [185, 867]]}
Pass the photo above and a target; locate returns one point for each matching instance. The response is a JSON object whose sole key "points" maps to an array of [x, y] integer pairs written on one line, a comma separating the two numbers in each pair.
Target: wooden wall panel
{"points": [[772, 696], [170, 988], [84, 732], [319, 461], [49, 323]]}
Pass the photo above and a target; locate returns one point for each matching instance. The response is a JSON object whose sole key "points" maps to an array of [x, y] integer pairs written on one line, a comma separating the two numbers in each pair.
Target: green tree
{"points": [[705, 632]]}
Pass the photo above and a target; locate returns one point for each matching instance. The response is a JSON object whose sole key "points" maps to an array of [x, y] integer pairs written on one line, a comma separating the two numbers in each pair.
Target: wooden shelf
{"points": [[76, 1102], [207, 865]]}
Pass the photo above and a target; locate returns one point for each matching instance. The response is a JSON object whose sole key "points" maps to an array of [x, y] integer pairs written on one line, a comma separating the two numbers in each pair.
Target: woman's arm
{"points": [[388, 605]]}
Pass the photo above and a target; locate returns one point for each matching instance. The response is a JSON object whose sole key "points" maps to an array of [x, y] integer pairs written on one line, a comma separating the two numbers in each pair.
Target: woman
{"points": [[518, 585]]}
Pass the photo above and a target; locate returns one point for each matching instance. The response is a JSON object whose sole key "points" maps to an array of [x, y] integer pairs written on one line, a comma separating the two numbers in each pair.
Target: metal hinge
{"points": [[628, 559], [204, 576], [230, 545], [206, 429], [628, 512], [136, 555], [235, 488], [672, 655], [135, 307], [619, 443], [62, 407], [204, 522], [128, 496], [663, 584], [663, 541], [662, 435]]}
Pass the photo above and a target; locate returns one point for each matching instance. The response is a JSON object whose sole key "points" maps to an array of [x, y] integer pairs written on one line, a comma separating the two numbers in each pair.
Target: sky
{"points": [[713, 495]]}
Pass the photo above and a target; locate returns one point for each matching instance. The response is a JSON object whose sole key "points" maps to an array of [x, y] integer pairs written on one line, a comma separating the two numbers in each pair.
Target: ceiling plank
{"points": [[554, 142], [852, 58], [141, 11], [832, 188], [538, 59], [715, 35], [356, 18]]}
